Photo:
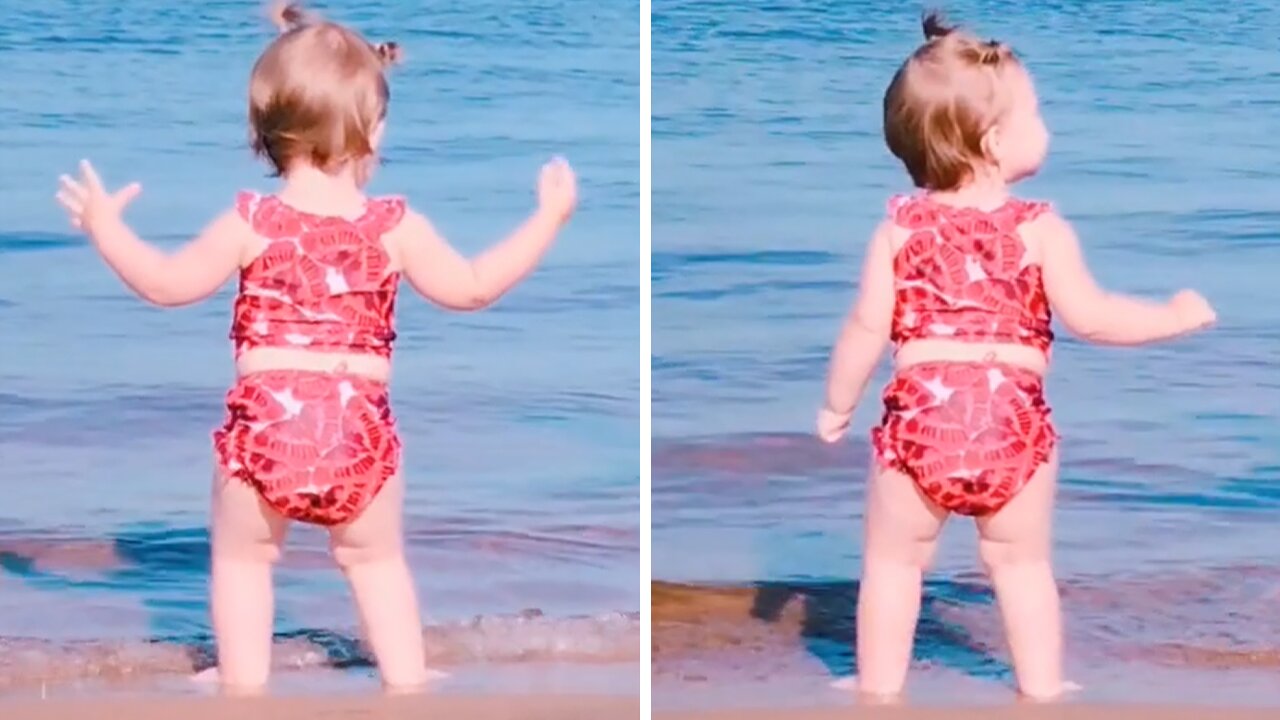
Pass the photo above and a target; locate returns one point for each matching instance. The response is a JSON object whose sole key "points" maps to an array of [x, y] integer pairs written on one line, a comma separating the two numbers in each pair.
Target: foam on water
{"points": [[526, 638]]}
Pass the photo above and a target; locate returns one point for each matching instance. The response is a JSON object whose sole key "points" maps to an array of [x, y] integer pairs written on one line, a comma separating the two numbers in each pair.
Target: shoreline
{"points": [[491, 707], [482, 691], [1018, 712]]}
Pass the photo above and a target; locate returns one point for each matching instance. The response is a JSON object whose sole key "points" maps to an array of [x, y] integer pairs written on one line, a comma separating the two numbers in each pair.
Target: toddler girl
{"points": [[309, 434], [961, 277]]}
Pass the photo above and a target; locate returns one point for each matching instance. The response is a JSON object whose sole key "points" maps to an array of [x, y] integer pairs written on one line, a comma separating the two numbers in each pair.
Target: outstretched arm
{"points": [[863, 338], [443, 276], [450, 280], [1100, 316], [193, 273]]}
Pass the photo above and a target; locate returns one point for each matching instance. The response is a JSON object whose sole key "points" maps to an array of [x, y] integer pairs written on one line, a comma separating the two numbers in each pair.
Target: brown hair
{"points": [[317, 93], [942, 101]]}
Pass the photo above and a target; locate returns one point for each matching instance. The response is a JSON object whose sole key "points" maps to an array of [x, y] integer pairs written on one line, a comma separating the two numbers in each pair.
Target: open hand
{"points": [[832, 425], [1193, 311], [88, 203], [557, 189]]}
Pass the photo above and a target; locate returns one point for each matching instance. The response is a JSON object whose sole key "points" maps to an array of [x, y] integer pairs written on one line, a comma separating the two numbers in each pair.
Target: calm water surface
{"points": [[769, 175], [523, 501]]}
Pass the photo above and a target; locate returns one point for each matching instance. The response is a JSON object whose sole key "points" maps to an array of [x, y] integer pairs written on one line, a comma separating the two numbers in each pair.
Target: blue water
{"points": [[520, 423], [769, 174]]}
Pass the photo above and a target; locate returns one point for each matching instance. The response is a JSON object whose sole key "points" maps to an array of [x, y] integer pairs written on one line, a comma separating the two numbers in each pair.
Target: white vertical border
{"points": [[646, 355]]}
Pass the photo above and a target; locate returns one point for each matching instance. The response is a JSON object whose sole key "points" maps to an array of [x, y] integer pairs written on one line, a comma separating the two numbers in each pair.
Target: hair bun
{"points": [[390, 53], [287, 16], [935, 25]]}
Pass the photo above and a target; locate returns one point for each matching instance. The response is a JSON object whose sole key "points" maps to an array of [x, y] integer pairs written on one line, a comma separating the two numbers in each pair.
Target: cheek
{"points": [[1032, 143], [1042, 139]]}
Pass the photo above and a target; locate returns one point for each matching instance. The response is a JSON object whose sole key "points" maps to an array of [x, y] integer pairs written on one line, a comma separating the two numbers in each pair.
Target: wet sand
{"points": [[503, 707], [1024, 712], [785, 650]]}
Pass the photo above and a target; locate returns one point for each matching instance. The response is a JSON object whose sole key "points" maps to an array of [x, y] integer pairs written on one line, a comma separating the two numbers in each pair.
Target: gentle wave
{"points": [[33, 241]]}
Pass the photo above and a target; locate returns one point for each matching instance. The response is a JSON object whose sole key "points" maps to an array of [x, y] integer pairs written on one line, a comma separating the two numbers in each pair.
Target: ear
{"points": [[990, 144], [375, 139]]}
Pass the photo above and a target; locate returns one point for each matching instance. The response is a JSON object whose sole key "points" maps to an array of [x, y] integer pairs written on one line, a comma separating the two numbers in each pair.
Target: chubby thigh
{"points": [[243, 526]]}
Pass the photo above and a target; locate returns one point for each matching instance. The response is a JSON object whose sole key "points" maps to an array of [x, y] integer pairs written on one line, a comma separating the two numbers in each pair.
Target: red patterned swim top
{"points": [[322, 283], [963, 275]]}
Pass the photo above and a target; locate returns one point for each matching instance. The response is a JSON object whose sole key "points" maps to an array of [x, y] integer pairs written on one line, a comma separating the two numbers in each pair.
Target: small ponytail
{"points": [[935, 25], [990, 53], [287, 16], [390, 53]]}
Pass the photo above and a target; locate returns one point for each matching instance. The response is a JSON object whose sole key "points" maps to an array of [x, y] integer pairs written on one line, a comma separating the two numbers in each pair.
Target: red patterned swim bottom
{"points": [[971, 435], [317, 446]]}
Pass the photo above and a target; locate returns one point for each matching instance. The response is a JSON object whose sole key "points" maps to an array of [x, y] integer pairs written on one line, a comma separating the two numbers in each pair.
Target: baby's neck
{"points": [[983, 193], [310, 189]]}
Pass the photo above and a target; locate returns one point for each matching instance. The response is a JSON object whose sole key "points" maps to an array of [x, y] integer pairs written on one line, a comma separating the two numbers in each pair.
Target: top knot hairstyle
{"points": [[942, 102], [318, 92]]}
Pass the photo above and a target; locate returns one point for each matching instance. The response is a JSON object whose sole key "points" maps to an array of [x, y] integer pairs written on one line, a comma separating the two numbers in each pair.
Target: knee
{"points": [[245, 550], [917, 554], [353, 556], [997, 556], [923, 552]]}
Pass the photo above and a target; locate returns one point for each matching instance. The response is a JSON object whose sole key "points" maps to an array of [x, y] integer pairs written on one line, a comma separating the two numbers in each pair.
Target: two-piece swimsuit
{"points": [[971, 434], [317, 446]]}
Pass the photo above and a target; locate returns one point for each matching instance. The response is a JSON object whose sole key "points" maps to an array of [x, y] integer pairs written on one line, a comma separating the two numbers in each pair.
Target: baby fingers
{"points": [[69, 200], [72, 188], [91, 178]]}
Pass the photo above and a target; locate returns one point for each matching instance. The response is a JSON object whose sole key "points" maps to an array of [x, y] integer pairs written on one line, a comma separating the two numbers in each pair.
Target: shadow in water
{"points": [[167, 569], [828, 624], [772, 619]]}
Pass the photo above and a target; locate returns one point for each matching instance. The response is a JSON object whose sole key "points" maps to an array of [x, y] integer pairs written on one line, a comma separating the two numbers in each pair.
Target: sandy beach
{"points": [[483, 692], [531, 707], [1022, 712]]}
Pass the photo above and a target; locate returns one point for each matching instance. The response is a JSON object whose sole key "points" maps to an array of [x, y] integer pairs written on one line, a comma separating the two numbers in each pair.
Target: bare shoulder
{"points": [[1044, 222], [237, 221], [413, 225], [232, 227], [1047, 231], [229, 235], [411, 234], [888, 235]]}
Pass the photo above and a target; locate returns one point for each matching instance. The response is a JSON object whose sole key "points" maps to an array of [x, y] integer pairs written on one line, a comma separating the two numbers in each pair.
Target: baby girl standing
{"points": [[962, 277], [309, 433]]}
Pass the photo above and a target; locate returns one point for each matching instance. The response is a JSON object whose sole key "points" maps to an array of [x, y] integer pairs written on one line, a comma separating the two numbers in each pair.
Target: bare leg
{"points": [[370, 551], [1015, 546], [246, 536], [901, 532]]}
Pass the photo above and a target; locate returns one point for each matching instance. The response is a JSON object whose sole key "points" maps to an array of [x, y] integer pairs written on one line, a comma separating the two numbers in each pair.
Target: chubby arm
{"points": [[1097, 315], [863, 337], [443, 276], [191, 274], [446, 278]]}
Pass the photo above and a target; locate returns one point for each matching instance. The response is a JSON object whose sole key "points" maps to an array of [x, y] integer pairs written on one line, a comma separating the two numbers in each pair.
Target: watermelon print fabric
{"points": [[317, 446], [971, 435], [322, 283], [963, 275]]}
